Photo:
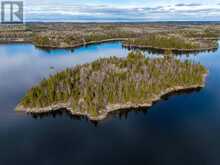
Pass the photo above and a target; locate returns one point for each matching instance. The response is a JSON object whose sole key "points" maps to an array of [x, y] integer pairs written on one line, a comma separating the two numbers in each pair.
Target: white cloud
{"points": [[71, 11]]}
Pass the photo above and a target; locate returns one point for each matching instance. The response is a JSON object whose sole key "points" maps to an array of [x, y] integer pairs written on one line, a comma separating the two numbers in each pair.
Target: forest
{"points": [[71, 35], [163, 42], [93, 86]]}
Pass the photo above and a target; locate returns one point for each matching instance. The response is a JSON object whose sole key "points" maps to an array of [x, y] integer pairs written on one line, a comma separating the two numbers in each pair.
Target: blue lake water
{"points": [[185, 129]]}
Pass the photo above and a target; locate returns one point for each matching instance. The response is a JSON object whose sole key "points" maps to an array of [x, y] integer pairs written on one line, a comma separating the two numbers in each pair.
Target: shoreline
{"points": [[80, 44], [113, 40], [125, 46], [110, 108], [165, 49]]}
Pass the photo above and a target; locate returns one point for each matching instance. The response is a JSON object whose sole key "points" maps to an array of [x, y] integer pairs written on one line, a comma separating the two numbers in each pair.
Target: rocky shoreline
{"points": [[109, 108]]}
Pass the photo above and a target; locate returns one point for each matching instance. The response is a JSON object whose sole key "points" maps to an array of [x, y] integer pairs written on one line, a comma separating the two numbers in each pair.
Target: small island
{"points": [[105, 85]]}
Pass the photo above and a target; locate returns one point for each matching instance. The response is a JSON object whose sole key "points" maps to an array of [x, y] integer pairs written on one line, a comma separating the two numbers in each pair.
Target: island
{"points": [[110, 84]]}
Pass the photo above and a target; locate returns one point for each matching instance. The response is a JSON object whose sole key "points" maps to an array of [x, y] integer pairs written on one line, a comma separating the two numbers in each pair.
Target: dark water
{"points": [[184, 129]]}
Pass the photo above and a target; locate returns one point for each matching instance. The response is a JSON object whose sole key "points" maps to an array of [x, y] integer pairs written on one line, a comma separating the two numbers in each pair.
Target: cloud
{"points": [[188, 5], [79, 12]]}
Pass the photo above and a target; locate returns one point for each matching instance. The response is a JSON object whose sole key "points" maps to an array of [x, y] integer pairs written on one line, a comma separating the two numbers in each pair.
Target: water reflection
{"points": [[121, 114], [60, 114], [178, 93], [182, 130], [176, 52]]}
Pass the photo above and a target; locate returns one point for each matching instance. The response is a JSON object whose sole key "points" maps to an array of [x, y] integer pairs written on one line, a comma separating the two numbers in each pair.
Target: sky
{"points": [[121, 10]]}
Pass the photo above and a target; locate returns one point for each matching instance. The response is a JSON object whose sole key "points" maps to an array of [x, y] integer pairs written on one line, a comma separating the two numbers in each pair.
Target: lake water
{"points": [[185, 129]]}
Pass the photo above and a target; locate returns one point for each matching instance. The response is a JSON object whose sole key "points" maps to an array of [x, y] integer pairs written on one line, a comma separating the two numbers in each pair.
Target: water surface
{"points": [[184, 129]]}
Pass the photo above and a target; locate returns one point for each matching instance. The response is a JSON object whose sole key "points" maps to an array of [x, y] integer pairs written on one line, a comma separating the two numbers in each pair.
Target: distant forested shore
{"points": [[183, 37]]}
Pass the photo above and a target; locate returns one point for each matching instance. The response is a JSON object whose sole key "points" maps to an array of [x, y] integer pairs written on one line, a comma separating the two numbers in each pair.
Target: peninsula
{"points": [[171, 42]]}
